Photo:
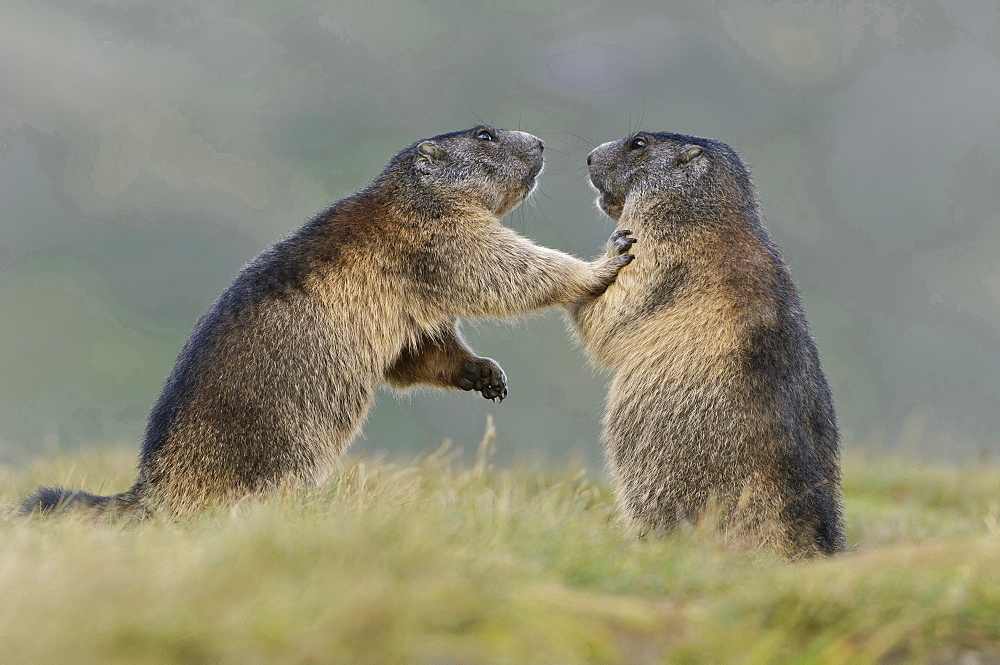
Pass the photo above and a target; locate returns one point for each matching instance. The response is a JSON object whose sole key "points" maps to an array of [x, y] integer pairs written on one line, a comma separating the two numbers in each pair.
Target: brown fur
{"points": [[718, 397], [277, 376]]}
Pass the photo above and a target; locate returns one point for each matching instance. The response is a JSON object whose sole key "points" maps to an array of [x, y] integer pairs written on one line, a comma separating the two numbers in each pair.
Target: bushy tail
{"points": [[48, 500]]}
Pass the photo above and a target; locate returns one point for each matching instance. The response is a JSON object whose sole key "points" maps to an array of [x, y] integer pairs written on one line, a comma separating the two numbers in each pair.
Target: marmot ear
{"points": [[688, 154], [430, 154]]}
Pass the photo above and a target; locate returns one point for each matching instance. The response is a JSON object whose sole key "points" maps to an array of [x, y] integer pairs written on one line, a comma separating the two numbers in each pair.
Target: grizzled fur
{"points": [[718, 398], [277, 376]]}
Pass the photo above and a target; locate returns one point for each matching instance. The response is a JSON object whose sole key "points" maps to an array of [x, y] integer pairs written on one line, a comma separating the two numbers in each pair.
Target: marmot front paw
{"points": [[622, 260], [619, 243], [485, 377]]}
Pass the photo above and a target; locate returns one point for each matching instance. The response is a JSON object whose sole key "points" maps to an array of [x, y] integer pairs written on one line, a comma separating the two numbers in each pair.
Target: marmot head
{"points": [[687, 171], [494, 167]]}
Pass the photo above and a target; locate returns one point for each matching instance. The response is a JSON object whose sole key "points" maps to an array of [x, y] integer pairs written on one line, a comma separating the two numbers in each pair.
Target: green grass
{"points": [[444, 562]]}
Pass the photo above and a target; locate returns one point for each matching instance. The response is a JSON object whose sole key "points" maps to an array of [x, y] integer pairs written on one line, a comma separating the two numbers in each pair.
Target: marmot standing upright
{"points": [[278, 375], [717, 393]]}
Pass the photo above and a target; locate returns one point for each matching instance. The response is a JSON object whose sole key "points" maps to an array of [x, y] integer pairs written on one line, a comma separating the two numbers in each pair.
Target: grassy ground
{"points": [[444, 562]]}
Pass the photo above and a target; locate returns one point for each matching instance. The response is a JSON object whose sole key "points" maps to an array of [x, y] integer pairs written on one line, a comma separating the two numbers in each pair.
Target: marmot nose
{"points": [[589, 157]]}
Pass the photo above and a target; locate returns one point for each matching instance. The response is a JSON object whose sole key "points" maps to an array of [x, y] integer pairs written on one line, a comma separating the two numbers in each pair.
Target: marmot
{"points": [[717, 396], [276, 378]]}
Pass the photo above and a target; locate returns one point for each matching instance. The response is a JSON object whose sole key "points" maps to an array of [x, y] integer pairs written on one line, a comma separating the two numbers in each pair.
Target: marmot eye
{"points": [[485, 135], [636, 143]]}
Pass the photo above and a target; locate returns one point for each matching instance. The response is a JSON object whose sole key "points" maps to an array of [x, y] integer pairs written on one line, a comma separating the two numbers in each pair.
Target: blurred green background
{"points": [[148, 149]]}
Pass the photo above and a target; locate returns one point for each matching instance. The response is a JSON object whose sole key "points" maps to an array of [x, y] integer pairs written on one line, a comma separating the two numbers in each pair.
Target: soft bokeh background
{"points": [[149, 148]]}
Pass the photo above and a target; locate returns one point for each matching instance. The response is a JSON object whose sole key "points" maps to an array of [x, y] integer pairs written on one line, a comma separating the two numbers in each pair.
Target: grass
{"points": [[443, 562]]}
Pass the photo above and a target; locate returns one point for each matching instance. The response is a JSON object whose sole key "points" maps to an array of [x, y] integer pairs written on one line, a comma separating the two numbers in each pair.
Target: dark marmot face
{"points": [[496, 167], [690, 168]]}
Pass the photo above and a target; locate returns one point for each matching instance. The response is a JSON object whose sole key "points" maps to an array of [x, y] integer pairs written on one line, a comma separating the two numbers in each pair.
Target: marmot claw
{"points": [[620, 241]]}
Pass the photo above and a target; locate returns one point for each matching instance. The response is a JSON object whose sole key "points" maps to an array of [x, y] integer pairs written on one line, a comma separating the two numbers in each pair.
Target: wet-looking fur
{"points": [[276, 378], [718, 397]]}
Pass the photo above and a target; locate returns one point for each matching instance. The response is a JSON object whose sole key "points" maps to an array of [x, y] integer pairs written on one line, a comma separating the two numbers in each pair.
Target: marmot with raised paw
{"points": [[276, 378]]}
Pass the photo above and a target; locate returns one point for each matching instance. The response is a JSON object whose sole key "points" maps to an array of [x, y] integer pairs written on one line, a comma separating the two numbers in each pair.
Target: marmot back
{"points": [[277, 377], [718, 393]]}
